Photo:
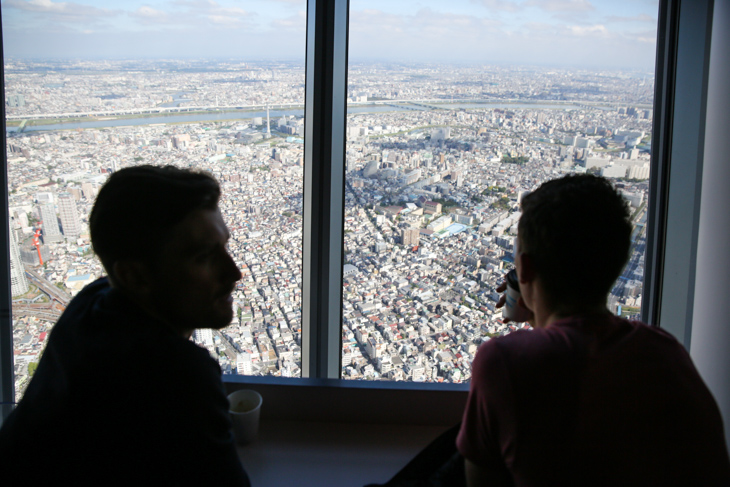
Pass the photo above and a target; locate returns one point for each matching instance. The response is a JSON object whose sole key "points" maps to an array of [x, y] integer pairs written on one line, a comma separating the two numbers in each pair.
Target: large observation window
{"points": [[455, 111], [212, 86]]}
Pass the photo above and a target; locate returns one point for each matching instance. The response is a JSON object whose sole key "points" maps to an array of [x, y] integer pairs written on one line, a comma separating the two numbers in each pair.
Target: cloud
{"points": [[187, 13], [195, 3], [150, 16], [66, 12], [500, 5], [636, 18], [422, 25], [149, 13], [224, 20], [210, 6], [570, 6], [294, 22], [587, 30], [434, 36]]}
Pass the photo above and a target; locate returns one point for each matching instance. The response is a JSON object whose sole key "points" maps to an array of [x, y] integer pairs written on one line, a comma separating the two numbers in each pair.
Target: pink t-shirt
{"points": [[591, 402]]}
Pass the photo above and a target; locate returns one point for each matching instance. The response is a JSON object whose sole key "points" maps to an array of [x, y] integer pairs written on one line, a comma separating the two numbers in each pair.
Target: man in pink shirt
{"points": [[585, 398]]}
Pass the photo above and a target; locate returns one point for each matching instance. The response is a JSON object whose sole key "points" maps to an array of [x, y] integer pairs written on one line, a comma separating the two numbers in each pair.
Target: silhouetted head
{"points": [[162, 239], [577, 231], [138, 206]]}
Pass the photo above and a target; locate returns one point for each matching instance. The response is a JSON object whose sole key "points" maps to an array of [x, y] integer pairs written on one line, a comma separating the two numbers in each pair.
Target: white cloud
{"points": [[569, 6], [589, 30], [294, 22], [224, 20], [61, 11], [635, 18], [501, 5], [189, 13], [150, 16], [149, 12]]}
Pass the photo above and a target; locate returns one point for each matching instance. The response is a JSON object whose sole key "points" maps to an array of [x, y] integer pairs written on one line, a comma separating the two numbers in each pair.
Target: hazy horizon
{"points": [[595, 34]]}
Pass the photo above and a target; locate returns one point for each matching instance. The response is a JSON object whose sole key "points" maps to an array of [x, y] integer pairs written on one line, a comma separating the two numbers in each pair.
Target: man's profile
{"points": [[585, 398], [121, 395]]}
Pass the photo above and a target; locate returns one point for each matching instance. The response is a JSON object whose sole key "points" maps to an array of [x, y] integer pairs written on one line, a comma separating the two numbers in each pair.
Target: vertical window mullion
{"points": [[683, 168], [665, 72], [324, 164], [7, 381]]}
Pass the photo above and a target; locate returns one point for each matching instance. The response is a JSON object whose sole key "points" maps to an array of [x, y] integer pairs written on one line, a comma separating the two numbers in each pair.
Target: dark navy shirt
{"points": [[120, 399]]}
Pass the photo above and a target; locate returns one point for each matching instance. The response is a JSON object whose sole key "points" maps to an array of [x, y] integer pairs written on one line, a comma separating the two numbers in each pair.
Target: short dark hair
{"points": [[138, 206], [577, 230]]}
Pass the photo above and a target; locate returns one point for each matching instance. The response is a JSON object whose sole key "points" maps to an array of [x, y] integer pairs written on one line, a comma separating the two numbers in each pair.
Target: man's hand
{"points": [[503, 299]]}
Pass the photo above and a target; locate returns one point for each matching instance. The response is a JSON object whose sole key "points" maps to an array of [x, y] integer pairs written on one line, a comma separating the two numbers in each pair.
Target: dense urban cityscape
{"points": [[437, 160]]}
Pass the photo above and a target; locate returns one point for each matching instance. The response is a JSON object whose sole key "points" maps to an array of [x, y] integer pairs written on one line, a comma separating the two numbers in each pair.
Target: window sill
{"points": [[313, 454], [356, 402]]}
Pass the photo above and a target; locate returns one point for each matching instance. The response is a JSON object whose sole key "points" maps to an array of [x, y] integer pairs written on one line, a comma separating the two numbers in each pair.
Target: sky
{"points": [[561, 33]]}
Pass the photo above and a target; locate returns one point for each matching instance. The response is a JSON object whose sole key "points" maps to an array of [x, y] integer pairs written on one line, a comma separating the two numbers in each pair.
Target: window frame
{"points": [[680, 105], [324, 173], [325, 115], [7, 376]]}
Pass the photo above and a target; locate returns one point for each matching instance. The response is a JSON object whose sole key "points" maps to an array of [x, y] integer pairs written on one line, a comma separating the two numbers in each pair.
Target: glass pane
{"points": [[96, 86], [456, 110]]}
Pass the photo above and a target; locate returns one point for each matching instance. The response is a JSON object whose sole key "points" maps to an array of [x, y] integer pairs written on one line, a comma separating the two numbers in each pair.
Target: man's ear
{"points": [[133, 277], [527, 272]]}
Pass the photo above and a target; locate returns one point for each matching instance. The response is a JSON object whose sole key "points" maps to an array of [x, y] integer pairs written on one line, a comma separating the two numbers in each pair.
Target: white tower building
{"points": [[268, 123], [18, 281], [244, 365], [69, 215], [49, 224]]}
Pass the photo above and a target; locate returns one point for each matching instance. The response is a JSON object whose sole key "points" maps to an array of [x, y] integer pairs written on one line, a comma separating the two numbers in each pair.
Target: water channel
{"points": [[220, 116]]}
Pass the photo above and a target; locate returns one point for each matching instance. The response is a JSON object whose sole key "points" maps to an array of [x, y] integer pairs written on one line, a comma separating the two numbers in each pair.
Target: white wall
{"points": [[710, 342]]}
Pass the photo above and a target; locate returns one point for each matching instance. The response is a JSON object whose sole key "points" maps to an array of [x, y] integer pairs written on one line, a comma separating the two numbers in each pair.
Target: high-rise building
{"points": [[49, 224], [180, 142], [18, 281], [244, 365], [70, 222], [15, 101], [203, 336], [268, 123], [410, 236]]}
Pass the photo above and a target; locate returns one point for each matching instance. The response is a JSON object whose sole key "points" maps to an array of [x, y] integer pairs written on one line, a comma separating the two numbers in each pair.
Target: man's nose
{"points": [[232, 269]]}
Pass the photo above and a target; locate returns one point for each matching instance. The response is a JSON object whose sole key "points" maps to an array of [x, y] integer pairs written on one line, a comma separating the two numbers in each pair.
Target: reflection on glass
{"points": [[90, 90], [453, 117]]}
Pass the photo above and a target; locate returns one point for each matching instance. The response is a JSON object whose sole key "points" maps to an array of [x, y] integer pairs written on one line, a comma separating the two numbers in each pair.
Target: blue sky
{"points": [[590, 33]]}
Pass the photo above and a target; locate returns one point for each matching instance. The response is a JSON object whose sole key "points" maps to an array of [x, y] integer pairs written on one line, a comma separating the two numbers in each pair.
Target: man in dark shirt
{"points": [[121, 395], [586, 398]]}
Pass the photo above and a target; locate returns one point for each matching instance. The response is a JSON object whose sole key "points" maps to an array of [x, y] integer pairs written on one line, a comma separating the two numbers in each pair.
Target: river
{"points": [[274, 114]]}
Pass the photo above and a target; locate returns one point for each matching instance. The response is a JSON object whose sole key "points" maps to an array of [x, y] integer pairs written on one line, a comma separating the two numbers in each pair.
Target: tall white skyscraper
{"points": [[49, 224], [18, 281], [70, 222], [203, 336], [268, 122], [244, 365]]}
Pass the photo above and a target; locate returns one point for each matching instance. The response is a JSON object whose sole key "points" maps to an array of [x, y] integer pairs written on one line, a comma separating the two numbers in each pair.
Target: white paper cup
{"points": [[244, 406]]}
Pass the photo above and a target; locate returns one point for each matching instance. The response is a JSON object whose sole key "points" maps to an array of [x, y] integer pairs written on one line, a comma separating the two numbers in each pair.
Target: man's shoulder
{"points": [[572, 337], [520, 341]]}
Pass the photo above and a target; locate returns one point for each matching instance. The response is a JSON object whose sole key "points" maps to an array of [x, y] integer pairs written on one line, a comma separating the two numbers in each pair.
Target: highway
{"points": [[53, 292]]}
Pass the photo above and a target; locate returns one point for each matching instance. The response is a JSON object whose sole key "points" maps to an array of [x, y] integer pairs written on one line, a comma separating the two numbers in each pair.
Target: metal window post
{"points": [[324, 178], [7, 382]]}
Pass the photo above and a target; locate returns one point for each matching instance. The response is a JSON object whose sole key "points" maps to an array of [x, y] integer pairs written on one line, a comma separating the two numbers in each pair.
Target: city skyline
{"points": [[595, 34], [436, 162]]}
